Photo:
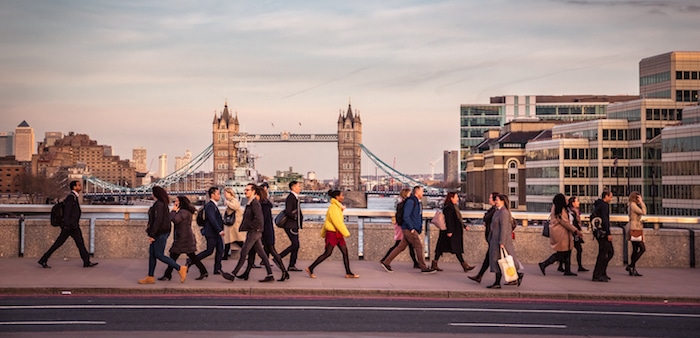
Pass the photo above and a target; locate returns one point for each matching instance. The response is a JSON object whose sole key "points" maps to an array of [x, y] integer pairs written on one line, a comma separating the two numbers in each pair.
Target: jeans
{"points": [[157, 251]]}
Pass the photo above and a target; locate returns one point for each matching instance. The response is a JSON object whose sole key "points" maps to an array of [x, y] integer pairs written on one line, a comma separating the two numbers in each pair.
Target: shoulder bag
{"points": [[439, 220]]}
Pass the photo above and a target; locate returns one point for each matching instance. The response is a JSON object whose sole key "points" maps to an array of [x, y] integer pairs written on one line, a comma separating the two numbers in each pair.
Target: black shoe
{"points": [[243, 276], [165, 277], [561, 269], [225, 258], [217, 272], [189, 263], [269, 278], [228, 276], [569, 273], [633, 272], [293, 268], [494, 286], [386, 267], [256, 266], [600, 279], [90, 264], [607, 277], [475, 278], [627, 268], [542, 267], [580, 269], [416, 266], [202, 276], [520, 278], [428, 271], [44, 265], [285, 276]]}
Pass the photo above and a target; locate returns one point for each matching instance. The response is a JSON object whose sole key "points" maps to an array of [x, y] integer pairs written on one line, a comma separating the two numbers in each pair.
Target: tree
{"points": [[39, 188]]}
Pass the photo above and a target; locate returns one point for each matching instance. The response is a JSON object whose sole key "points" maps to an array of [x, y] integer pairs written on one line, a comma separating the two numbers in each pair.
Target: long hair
{"points": [[230, 191], [185, 204], [448, 198], [160, 194], [404, 193], [634, 197], [504, 198], [262, 193], [559, 202]]}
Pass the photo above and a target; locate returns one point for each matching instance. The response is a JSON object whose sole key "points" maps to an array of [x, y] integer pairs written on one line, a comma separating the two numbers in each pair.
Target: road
{"points": [[376, 317]]}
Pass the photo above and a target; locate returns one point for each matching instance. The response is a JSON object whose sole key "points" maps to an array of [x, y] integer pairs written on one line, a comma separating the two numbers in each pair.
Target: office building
{"points": [[139, 160], [680, 158], [24, 142], [7, 145], [50, 137], [450, 159], [182, 161], [162, 165]]}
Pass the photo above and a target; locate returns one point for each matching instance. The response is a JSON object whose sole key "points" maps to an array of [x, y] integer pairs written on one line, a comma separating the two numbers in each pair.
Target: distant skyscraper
{"points": [[50, 138], [184, 160], [24, 142], [138, 157], [163, 167], [451, 166], [7, 145]]}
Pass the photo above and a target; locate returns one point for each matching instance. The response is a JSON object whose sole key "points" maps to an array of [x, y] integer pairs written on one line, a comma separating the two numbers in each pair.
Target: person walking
{"points": [[231, 233], [636, 209], [560, 239], [70, 227], [253, 224], [334, 231], [601, 208], [451, 239], [295, 218], [184, 241], [500, 237], [575, 217], [488, 216], [158, 231], [213, 230], [411, 227], [398, 233]]}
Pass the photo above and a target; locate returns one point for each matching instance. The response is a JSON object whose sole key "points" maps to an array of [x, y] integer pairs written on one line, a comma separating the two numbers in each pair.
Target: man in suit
{"points": [[70, 227], [601, 208], [213, 230], [292, 208]]}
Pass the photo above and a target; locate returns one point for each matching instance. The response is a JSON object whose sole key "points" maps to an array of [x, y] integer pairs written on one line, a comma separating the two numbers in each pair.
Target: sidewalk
{"points": [[119, 276]]}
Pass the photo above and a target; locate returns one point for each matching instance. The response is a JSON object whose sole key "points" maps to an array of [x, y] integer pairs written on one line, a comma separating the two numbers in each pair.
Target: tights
{"points": [[438, 254], [328, 252], [638, 249]]}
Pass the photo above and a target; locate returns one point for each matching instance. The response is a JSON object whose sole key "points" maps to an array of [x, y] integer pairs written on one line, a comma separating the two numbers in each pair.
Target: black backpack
{"points": [[399, 212], [201, 219], [57, 214]]}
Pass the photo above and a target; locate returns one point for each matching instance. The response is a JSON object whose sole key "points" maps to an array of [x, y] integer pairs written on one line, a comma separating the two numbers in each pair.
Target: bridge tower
{"points": [[349, 152], [224, 127]]}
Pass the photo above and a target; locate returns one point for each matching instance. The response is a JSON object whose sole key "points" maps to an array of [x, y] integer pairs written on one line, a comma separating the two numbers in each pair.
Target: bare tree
{"points": [[39, 188]]}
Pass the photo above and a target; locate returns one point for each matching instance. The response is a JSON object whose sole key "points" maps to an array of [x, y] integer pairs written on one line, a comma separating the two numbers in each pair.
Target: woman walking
{"points": [[231, 233], [334, 231], [636, 209], [488, 216], [398, 233], [575, 217], [560, 231], [451, 239], [184, 241], [158, 231], [500, 237]]}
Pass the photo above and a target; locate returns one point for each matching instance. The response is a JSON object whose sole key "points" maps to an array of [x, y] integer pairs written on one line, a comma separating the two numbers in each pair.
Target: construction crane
{"points": [[432, 168]]}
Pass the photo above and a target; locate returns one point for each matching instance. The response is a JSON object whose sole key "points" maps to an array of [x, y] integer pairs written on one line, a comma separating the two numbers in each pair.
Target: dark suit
{"points": [[212, 228], [70, 228], [292, 208]]}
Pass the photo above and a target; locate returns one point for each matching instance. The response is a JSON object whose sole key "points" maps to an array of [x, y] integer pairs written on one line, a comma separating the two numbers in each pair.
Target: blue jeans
{"points": [[214, 243], [157, 250]]}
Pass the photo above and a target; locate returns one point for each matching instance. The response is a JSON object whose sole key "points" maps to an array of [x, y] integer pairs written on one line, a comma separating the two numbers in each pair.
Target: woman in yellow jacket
{"points": [[334, 231]]}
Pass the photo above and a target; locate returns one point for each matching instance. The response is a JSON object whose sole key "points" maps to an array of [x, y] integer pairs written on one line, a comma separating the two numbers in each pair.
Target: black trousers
{"points": [[293, 248], [192, 257], [77, 236], [605, 254]]}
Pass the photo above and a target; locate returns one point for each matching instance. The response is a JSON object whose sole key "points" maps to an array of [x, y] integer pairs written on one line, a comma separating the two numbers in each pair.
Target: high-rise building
{"points": [[162, 165], [451, 166], [181, 161], [24, 142], [7, 145], [139, 159], [349, 152], [680, 162], [50, 137]]}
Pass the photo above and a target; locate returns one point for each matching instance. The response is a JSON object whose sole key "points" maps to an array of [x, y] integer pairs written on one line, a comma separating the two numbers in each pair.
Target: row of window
{"points": [[681, 168], [580, 172], [542, 155], [687, 75], [686, 96], [629, 115], [585, 208], [632, 172], [542, 190], [541, 110], [681, 212], [664, 114], [580, 154], [622, 153], [547, 172], [681, 192], [580, 190], [681, 144], [655, 78]]}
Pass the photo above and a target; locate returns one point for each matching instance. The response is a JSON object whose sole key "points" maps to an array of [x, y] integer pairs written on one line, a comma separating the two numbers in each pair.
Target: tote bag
{"points": [[439, 220], [507, 266]]}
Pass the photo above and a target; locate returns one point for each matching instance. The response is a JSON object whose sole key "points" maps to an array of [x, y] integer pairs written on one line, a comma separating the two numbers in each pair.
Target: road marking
{"points": [[526, 326], [56, 322], [341, 308]]}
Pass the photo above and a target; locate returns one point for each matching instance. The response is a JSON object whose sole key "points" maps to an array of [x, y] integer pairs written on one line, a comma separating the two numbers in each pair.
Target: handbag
{"points": [[636, 235], [545, 228], [439, 220], [280, 219], [507, 266], [229, 218]]}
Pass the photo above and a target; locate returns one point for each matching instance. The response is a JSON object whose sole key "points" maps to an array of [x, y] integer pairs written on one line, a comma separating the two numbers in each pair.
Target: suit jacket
{"points": [[292, 208], [71, 212], [214, 222]]}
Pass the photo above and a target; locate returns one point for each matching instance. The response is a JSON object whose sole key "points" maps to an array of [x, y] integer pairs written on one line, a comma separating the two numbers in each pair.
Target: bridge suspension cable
{"points": [[166, 181], [395, 174]]}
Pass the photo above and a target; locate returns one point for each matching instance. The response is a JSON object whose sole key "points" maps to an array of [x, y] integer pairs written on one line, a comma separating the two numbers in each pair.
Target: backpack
{"points": [[399, 212], [57, 214], [201, 219]]}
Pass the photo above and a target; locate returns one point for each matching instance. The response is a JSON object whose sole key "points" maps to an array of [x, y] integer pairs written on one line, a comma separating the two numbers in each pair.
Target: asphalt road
{"points": [[119, 315]]}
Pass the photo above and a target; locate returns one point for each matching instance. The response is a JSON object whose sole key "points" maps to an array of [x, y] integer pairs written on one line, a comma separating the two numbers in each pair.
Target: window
{"points": [[512, 165], [512, 191], [512, 177]]}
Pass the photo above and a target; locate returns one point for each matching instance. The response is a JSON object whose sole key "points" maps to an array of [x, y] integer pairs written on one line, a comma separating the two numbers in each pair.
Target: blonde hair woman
{"points": [[231, 233], [636, 209]]}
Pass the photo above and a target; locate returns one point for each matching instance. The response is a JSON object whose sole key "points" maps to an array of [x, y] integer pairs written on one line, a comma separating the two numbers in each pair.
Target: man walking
{"points": [[213, 230], [411, 227], [601, 208], [70, 227], [292, 209]]}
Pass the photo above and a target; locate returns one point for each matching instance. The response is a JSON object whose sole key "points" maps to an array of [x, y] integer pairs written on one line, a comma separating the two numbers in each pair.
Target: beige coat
{"points": [[636, 211], [231, 233], [560, 230]]}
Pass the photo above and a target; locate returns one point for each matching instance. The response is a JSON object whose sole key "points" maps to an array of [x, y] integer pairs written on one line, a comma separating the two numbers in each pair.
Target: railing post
{"points": [[92, 236], [426, 241], [21, 236], [360, 238]]}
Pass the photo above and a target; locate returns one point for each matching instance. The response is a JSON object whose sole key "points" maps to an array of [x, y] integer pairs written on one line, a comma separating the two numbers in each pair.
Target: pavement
{"points": [[24, 276]]}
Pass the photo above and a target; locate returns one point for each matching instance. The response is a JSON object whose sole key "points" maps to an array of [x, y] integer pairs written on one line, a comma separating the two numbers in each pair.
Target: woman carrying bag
{"points": [[636, 209], [499, 238], [560, 239], [451, 239]]}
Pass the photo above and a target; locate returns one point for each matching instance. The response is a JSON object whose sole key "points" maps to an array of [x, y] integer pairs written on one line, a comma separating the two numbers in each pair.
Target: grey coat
{"points": [[501, 229]]}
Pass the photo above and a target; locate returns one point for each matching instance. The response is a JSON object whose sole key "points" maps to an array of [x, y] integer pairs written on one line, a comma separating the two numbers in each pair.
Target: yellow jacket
{"points": [[334, 219]]}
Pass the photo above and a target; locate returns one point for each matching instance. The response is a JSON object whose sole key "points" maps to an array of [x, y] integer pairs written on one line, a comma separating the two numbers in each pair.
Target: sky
{"points": [[152, 74]]}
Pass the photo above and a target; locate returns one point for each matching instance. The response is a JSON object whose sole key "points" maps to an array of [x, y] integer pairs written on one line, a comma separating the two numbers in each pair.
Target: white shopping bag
{"points": [[507, 266]]}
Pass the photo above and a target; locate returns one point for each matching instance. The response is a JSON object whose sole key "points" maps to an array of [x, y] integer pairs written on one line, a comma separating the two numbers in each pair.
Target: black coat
{"points": [[158, 219], [253, 217], [269, 230], [71, 212], [183, 239], [292, 209], [453, 221]]}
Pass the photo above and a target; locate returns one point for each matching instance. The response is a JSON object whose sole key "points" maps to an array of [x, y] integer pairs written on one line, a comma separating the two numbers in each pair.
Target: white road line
{"points": [[357, 308], [56, 322], [526, 326]]}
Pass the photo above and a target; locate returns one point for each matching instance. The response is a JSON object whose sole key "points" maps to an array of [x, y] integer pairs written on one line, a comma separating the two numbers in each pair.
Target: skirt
{"points": [[334, 238]]}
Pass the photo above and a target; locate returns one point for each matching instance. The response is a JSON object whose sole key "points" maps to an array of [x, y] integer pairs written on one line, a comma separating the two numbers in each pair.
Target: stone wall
{"points": [[127, 239]]}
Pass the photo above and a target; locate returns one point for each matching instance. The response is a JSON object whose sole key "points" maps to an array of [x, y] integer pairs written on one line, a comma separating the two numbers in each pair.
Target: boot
{"points": [[148, 280], [466, 267], [434, 265]]}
